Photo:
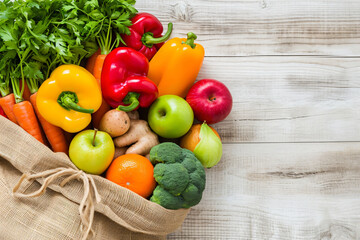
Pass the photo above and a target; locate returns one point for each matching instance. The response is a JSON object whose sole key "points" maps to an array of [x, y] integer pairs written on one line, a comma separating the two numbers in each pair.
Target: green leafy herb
{"points": [[36, 36]]}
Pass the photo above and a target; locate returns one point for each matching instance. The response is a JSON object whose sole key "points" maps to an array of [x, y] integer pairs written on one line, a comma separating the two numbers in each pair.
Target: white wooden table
{"points": [[291, 163]]}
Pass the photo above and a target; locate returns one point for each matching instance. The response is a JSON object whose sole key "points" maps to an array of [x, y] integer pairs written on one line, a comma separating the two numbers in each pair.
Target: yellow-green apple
{"points": [[92, 151], [170, 116], [210, 99]]}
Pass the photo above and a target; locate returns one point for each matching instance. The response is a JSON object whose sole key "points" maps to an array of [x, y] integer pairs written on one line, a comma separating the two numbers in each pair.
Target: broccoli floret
{"points": [[179, 174], [166, 153], [192, 195], [168, 175], [164, 198]]}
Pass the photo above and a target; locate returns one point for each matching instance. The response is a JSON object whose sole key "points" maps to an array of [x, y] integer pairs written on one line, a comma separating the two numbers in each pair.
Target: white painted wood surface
{"points": [[265, 27], [291, 163], [289, 99], [280, 191]]}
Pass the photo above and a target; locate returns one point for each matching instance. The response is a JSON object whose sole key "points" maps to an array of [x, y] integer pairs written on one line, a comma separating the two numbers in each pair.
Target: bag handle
{"points": [[87, 205]]}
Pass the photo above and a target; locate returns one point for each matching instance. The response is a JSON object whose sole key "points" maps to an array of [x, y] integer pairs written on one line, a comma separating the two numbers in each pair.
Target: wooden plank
{"points": [[280, 191], [265, 27], [289, 99]]}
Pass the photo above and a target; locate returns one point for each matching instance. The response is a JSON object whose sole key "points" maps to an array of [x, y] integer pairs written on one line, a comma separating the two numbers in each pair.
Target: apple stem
{"points": [[93, 142]]}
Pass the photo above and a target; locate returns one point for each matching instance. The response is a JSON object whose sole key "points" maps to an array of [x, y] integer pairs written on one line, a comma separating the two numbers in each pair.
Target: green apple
{"points": [[92, 151], [170, 116]]}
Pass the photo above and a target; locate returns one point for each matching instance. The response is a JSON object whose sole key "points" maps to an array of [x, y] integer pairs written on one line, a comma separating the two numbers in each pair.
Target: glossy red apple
{"points": [[210, 100]]}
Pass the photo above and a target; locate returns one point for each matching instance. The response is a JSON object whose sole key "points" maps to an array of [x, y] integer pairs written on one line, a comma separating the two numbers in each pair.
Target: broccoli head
{"points": [[179, 174]]}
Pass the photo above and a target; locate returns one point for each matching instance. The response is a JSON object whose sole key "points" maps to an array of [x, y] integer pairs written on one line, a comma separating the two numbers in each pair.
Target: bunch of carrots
{"points": [[20, 107], [18, 104]]}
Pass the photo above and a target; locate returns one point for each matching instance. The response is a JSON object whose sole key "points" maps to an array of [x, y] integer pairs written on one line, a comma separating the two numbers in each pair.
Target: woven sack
{"points": [[44, 196]]}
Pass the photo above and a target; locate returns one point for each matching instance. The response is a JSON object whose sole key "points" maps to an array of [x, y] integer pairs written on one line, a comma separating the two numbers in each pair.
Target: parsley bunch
{"points": [[36, 36], [102, 20]]}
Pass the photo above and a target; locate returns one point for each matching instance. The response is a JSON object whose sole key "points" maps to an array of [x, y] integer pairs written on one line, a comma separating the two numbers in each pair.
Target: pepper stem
{"points": [[69, 100], [132, 98], [191, 37], [149, 40]]}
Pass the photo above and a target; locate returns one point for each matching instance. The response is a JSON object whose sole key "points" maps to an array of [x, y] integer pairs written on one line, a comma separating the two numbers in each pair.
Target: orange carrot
{"points": [[25, 116], [54, 134], [97, 116], [90, 64], [98, 66], [26, 95], [46, 142], [7, 103]]}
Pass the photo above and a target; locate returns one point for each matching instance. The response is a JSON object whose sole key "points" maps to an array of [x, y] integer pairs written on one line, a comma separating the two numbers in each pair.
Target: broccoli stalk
{"points": [[179, 174]]}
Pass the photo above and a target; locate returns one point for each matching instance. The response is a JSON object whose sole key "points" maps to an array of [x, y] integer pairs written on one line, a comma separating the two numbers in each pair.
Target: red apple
{"points": [[210, 100]]}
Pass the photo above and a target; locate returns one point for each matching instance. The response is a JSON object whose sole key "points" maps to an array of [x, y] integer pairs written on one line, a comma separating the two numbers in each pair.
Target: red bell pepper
{"points": [[123, 80], [2, 113], [145, 34]]}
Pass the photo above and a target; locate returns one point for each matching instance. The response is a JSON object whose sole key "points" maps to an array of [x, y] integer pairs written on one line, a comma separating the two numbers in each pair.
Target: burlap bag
{"points": [[44, 196]]}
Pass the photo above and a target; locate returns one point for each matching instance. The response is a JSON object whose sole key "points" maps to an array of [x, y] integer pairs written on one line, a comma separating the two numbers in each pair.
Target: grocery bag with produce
{"points": [[103, 132], [58, 211]]}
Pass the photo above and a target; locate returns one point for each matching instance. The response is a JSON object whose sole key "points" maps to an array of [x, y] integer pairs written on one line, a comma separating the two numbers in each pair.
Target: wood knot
{"points": [[182, 11], [338, 232], [264, 4]]}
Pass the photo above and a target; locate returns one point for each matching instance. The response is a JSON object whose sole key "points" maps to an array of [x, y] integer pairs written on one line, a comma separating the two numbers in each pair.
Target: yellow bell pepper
{"points": [[175, 66], [68, 98]]}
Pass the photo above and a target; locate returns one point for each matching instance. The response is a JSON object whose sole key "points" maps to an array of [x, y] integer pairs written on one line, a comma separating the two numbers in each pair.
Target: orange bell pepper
{"points": [[175, 66]]}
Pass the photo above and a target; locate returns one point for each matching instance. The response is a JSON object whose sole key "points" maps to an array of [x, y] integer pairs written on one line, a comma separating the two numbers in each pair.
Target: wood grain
{"points": [[265, 27], [290, 168], [280, 191], [289, 99]]}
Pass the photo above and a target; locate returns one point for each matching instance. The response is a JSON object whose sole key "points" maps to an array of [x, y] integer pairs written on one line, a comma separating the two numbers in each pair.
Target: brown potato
{"points": [[115, 123]]}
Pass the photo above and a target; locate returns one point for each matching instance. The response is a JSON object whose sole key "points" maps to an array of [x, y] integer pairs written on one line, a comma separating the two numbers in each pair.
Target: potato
{"points": [[115, 123]]}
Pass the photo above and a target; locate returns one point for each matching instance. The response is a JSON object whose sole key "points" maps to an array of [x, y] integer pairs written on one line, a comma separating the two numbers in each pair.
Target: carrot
{"points": [[90, 64], [7, 98], [26, 95], [24, 111], [99, 62], [54, 134], [7, 104], [25, 116], [32, 85], [98, 66]]}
